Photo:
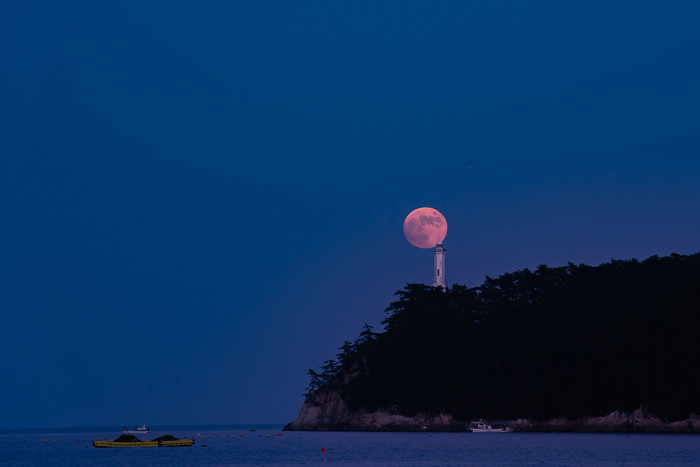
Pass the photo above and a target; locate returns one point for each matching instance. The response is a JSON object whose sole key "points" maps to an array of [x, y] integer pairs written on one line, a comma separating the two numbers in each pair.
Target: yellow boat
{"points": [[133, 442]]}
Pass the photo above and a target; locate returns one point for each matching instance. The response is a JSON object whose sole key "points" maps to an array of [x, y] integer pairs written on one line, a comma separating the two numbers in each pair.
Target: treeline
{"points": [[570, 341]]}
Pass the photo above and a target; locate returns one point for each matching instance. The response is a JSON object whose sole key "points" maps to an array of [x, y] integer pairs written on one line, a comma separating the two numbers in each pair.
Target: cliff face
{"points": [[327, 411], [639, 421]]}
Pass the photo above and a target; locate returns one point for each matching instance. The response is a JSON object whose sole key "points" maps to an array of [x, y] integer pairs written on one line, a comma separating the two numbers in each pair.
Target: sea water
{"points": [[268, 445]]}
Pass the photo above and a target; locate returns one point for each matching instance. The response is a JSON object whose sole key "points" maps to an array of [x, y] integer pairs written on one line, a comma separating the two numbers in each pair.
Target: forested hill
{"points": [[571, 341]]}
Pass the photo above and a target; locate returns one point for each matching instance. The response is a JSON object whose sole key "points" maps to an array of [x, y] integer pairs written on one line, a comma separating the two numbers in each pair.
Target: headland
{"points": [[611, 348]]}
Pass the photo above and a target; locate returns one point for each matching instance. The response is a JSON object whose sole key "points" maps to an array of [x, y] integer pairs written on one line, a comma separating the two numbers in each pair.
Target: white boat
{"points": [[480, 426], [137, 430]]}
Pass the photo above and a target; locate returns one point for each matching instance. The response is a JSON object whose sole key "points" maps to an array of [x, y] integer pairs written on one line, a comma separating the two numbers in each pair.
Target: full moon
{"points": [[425, 227]]}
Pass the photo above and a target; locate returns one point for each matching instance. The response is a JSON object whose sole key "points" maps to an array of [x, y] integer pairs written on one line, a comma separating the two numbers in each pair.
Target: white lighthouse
{"points": [[439, 280], [426, 228]]}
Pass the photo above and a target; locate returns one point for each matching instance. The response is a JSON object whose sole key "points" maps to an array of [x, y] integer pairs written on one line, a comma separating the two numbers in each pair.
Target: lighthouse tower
{"points": [[439, 280]]}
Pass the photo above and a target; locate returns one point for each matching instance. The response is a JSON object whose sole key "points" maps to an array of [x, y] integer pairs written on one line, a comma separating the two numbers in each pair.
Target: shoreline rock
{"points": [[327, 411], [638, 421]]}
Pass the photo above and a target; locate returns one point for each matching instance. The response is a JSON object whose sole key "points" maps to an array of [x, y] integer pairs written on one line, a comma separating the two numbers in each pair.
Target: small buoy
{"points": [[323, 449], [204, 445]]}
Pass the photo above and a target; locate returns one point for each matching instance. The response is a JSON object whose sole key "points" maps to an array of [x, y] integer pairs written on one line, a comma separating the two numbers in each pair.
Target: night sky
{"points": [[199, 201]]}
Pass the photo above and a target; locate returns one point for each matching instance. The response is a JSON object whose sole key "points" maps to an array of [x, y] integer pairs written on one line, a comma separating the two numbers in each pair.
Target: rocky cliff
{"points": [[327, 411], [638, 421]]}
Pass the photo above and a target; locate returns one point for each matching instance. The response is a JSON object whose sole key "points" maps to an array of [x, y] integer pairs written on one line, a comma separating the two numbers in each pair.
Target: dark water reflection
{"points": [[236, 445]]}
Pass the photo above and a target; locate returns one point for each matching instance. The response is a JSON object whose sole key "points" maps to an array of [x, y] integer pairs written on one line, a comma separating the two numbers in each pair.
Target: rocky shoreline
{"points": [[327, 411], [638, 421]]}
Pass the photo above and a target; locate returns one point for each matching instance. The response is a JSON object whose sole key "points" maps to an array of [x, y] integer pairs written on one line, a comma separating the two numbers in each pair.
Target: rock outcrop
{"points": [[327, 411], [639, 421]]}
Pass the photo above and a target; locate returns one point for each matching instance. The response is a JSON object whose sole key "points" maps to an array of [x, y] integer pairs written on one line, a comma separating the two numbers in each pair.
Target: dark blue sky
{"points": [[200, 201]]}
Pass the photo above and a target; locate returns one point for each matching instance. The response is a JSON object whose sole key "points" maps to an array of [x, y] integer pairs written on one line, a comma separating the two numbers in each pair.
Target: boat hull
{"points": [[490, 430], [144, 444]]}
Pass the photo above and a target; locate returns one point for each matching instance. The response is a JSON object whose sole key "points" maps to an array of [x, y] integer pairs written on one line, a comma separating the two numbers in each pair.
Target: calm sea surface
{"points": [[268, 445]]}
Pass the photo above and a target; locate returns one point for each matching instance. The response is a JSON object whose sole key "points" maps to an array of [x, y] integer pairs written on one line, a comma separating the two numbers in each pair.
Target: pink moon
{"points": [[425, 227]]}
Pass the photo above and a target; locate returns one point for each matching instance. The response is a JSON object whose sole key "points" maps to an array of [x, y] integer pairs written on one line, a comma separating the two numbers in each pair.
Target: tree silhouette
{"points": [[567, 341]]}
